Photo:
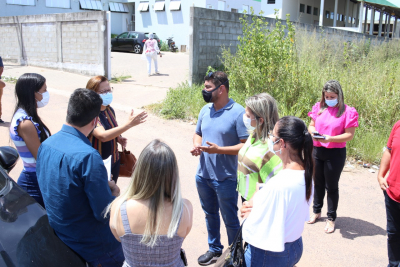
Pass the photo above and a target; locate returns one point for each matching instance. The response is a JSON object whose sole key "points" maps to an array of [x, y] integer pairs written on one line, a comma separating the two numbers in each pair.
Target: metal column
{"points": [[380, 23], [346, 22], [321, 13], [335, 13], [360, 16], [372, 22]]}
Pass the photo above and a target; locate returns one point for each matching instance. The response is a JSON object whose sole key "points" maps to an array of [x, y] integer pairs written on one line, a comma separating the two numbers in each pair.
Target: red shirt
{"points": [[394, 175]]}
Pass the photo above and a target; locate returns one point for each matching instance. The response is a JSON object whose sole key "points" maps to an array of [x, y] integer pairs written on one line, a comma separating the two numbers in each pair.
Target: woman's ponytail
{"points": [[308, 162]]}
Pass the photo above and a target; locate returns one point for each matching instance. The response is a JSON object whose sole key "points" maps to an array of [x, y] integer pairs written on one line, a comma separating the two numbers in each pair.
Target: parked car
{"points": [[131, 41], [26, 237]]}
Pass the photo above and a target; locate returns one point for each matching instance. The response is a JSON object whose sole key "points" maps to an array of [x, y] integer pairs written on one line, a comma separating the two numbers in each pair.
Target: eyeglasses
{"points": [[211, 73], [276, 137], [110, 90]]}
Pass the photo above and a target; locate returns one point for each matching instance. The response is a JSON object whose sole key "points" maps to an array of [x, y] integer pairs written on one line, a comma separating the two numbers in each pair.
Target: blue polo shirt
{"points": [[224, 127], [74, 186]]}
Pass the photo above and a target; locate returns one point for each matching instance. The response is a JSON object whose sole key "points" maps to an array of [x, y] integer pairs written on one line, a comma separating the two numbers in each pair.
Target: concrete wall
{"points": [[211, 29], [118, 20], [75, 42]]}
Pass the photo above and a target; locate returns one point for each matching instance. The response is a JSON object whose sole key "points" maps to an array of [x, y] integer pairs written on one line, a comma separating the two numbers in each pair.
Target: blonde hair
{"points": [[263, 106], [94, 83], [156, 179], [332, 86]]}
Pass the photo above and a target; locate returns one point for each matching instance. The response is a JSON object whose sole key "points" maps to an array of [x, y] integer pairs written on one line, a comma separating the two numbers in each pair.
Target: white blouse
{"points": [[279, 212]]}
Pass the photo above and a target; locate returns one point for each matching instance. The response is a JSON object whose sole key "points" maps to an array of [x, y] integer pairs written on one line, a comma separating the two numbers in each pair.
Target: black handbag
{"points": [[233, 256]]}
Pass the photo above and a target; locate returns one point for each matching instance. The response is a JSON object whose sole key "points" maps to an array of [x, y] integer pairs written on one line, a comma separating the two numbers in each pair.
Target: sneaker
{"points": [[1, 121], [209, 258]]}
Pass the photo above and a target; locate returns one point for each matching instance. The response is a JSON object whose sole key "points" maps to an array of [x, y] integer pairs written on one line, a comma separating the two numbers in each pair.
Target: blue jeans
{"points": [[393, 230], [28, 182], [215, 196], [113, 258], [255, 257]]}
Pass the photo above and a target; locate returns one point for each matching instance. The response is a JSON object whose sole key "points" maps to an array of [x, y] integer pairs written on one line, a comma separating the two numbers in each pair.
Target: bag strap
{"points": [[238, 238]]}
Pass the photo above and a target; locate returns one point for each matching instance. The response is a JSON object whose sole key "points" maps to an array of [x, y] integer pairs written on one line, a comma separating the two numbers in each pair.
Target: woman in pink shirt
{"points": [[332, 124], [151, 50]]}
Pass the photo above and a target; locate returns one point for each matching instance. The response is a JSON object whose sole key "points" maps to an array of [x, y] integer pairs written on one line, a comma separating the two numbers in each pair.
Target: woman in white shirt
{"points": [[278, 211]]}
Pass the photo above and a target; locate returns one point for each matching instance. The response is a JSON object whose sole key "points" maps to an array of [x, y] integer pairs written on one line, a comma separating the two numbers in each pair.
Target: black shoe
{"points": [[208, 258], [1, 121]]}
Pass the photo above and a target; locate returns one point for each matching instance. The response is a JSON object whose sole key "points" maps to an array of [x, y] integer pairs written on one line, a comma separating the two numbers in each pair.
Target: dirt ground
{"points": [[360, 237]]}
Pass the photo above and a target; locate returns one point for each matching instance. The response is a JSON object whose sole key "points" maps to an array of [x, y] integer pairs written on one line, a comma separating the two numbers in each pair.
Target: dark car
{"points": [[131, 41], [26, 237]]}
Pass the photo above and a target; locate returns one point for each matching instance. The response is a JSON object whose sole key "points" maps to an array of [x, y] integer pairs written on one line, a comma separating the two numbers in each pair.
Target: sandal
{"points": [[329, 227], [314, 218]]}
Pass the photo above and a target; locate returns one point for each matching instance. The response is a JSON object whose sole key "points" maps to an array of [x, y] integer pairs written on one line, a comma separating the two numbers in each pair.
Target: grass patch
{"points": [[293, 65], [120, 78], [9, 79], [164, 45]]}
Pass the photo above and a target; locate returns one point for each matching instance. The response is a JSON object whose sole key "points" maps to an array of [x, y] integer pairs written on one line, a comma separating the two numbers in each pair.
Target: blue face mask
{"points": [[107, 98], [331, 103]]}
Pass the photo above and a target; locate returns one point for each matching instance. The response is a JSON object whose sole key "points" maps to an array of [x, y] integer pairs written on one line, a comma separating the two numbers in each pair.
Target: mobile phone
{"points": [[317, 135]]}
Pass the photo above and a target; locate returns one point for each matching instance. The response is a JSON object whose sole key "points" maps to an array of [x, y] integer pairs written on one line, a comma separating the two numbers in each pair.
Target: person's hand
{"points": [[383, 183], [246, 208], [196, 151], [114, 188], [326, 140], [210, 149], [123, 141], [136, 120]]}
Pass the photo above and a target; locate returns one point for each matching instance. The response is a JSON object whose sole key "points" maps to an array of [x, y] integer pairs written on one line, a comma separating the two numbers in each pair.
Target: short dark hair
{"points": [[84, 105], [218, 78]]}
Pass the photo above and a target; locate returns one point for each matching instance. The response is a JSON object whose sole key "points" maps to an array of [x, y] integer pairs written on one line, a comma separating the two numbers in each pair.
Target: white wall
{"points": [[269, 9], [237, 4]]}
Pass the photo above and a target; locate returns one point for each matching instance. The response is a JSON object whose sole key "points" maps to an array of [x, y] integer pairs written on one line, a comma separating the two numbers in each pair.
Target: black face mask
{"points": [[207, 95]]}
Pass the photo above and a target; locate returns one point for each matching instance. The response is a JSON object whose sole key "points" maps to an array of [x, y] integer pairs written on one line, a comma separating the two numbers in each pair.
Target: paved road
{"points": [[360, 238]]}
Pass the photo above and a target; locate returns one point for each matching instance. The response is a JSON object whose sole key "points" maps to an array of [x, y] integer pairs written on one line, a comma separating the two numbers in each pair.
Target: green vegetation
{"points": [[9, 79], [164, 45], [119, 78], [293, 66], [113, 35]]}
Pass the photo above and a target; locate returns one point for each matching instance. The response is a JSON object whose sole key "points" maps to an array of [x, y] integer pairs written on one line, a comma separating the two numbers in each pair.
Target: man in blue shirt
{"points": [[220, 133], [74, 184], [2, 85]]}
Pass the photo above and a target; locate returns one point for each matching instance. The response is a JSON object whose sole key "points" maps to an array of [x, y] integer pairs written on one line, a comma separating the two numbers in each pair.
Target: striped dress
{"points": [[256, 163], [27, 158]]}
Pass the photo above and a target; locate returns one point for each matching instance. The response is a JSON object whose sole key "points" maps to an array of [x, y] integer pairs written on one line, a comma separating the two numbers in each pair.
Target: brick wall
{"points": [[212, 29], [75, 42]]}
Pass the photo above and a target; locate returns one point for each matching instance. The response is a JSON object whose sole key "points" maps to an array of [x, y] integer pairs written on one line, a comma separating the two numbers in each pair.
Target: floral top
{"points": [[327, 123]]}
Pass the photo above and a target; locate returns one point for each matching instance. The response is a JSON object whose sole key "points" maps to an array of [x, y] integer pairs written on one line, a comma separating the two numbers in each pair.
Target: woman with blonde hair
{"points": [[256, 160], [107, 134], [150, 218]]}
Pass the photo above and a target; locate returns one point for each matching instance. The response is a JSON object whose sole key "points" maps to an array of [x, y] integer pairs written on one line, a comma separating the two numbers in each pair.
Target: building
{"points": [[122, 12]]}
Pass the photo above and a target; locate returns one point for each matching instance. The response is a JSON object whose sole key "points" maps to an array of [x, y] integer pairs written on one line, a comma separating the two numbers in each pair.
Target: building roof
{"points": [[391, 7]]}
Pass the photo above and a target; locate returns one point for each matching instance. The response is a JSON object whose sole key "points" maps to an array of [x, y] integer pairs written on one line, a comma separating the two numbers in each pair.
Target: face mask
{"points": [[331, 103], [247, 123], [271, 145], [44, 101], [207, 95], [107, 98]]}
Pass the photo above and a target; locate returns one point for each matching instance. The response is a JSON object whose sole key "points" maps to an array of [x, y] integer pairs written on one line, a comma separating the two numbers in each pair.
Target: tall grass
{"points": [[293, 65]]}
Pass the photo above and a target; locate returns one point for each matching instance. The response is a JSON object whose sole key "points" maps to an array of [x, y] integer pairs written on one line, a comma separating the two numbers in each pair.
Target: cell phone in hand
{"points": [[317, 135]]}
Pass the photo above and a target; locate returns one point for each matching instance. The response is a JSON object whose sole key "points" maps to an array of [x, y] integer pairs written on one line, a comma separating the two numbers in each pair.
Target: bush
{"points": [[164, 45], [293, 66], [113, 35]]}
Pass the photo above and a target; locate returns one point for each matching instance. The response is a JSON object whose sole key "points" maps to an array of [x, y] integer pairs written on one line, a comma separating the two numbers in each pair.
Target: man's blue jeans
{"points": [[113, 258], [393, 230], [255, 257], [215, 196]]}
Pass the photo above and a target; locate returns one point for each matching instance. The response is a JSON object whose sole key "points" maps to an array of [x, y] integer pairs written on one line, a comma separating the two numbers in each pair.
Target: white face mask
{"points": [[44, 101], [247, 123], [271, 145], [332, 102]]}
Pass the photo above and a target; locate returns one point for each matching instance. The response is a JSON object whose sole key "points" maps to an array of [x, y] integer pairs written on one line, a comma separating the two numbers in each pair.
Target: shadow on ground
{"points": [[351, 228]]}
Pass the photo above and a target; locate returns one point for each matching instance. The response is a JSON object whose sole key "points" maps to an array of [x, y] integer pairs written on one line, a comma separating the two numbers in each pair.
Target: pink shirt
{"points": [[327, 123], [394, 175]]}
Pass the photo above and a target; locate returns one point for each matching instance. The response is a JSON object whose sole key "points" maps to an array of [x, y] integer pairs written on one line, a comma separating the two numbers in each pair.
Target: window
{"points": [[143, 7], [58, 3], [332, 15], [209, 6], [234, 10], [123, 35], [91, 4], [316, 13], [309, 8], [175, 5], [133, 35], [327, 14], [302, 8], [245, 8], [21, 2], [271, 2], [118, 7], [159, 6]]}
